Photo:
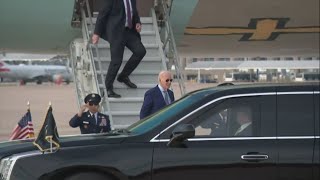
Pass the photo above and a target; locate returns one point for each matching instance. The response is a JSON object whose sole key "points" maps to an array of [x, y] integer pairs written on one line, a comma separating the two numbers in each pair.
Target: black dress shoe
{"points": [[111, 93], [126, 81]]}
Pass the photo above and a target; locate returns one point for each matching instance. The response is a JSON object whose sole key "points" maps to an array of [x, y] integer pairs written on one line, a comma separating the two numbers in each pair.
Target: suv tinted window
{"points": [[235, 117], [295, 115], [227, 120]]}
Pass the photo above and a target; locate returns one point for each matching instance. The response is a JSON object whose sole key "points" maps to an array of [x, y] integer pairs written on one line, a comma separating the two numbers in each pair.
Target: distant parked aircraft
{"points": [[37, 73]]}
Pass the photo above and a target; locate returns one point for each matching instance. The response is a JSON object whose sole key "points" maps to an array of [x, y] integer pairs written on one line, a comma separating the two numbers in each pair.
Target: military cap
{"points": [[93, 97]]}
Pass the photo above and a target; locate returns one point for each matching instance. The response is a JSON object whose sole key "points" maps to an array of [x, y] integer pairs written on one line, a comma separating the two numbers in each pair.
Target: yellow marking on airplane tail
{"points": [[258, 30], [264, 29]]}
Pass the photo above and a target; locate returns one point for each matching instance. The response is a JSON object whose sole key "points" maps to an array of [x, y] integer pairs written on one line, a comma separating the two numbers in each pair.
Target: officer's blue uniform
{"points": [[88, 122]]}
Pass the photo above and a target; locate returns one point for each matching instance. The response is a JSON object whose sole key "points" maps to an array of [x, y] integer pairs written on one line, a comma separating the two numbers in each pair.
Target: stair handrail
{"points": [[158, 39], [169, 43], [89, 50], [73, 66]]}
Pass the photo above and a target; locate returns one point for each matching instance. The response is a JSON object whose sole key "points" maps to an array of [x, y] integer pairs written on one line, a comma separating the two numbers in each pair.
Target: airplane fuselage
{"points": [[34, 72], [37, 26]]}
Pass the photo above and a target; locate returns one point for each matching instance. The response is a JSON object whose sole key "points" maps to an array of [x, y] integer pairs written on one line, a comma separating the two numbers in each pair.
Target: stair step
{"points": [[147, 37], [144, 28], [107, 45], [127, 99], [125, 92], [142, 33], [150, 65], [125, 113], [146, 22], [126, 58], [145, 72], [138, 77], [104, 50], [143, 20], [118, 126], [125, 105], [125, 119], [118, 85]]}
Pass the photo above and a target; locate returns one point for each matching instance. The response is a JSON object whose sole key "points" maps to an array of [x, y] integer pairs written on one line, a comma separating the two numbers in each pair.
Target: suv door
{"points": [[295, 133], [215, 152]]}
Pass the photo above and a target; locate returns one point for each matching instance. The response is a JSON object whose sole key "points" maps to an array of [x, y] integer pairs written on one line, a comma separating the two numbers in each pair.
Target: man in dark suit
{"points": [[119, 23], [91, 121], [159, 96]]}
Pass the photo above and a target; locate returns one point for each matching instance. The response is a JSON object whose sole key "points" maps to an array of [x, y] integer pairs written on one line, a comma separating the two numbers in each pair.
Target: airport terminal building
{"points": [[206, 70]]}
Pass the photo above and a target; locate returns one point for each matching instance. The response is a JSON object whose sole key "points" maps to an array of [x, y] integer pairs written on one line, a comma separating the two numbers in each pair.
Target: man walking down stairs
{"points": [[121, 30], [124, 111]]}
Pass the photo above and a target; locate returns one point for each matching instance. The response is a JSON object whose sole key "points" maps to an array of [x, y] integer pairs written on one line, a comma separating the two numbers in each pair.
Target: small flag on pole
{"points": [[48, 138], [24, 128]]}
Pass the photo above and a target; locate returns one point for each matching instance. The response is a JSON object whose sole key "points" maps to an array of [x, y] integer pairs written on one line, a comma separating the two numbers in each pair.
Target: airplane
{"points": [[192, 29], [37, 73], [206, 28]]}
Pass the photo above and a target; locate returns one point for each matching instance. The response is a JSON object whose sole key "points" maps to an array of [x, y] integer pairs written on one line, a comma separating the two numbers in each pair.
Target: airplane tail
{"points": [[2, 64], [3, 68]]}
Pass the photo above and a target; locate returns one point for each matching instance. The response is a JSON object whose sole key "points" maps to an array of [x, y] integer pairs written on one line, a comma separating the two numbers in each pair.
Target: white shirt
{"points": [[125, 5], [242, 127]]}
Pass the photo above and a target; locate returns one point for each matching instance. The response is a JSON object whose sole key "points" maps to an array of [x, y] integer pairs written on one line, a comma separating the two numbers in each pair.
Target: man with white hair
{"points": [[159, 96]]}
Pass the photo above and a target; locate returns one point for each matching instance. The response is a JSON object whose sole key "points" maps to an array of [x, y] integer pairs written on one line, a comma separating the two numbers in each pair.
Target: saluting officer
{"points": [[91, 121]]}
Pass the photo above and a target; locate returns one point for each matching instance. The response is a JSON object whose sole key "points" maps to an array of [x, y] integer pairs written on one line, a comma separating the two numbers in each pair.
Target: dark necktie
{"points": [[94, 117], [129, 14], [166, 97]]}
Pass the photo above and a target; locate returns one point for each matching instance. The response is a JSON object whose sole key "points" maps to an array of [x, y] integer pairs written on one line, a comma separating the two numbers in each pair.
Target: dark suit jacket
{"points": [[87, 123], [153, 101], [110, 23]]}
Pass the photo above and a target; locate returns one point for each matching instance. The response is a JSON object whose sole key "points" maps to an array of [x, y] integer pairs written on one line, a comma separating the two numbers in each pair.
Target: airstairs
{"points": [[90, 64]]}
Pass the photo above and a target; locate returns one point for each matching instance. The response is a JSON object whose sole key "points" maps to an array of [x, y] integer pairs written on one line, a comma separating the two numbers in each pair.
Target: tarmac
{"points": [[14, 99]]}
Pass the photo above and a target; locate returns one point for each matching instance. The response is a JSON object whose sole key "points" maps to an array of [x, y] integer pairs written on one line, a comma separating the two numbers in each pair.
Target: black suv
{"points": [[251, 132]]}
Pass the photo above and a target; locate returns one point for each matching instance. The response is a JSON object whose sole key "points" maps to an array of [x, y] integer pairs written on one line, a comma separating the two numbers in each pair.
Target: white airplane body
{"points": [[38, 73]]}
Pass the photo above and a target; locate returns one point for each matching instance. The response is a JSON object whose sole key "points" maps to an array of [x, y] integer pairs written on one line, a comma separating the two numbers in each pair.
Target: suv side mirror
{"points": [[181, 133]]}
